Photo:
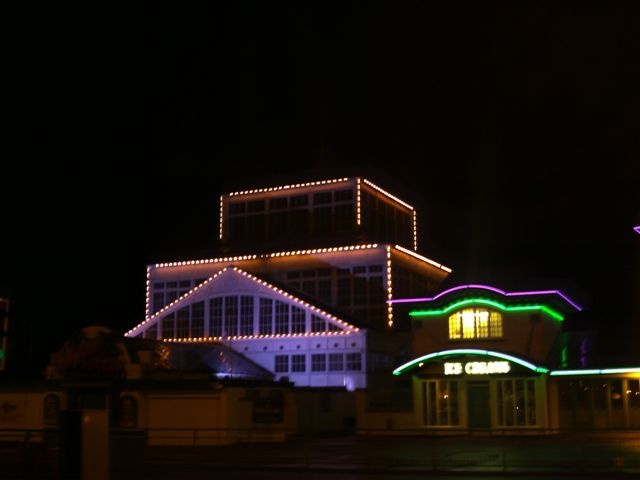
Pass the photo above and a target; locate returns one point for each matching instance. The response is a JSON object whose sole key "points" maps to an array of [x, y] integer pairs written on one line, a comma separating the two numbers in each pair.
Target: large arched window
{"points": [[470, 323]]}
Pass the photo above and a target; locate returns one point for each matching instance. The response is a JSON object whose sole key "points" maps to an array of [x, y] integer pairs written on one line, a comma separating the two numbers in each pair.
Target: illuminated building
{"points": [[302, 288], [484, 358]]}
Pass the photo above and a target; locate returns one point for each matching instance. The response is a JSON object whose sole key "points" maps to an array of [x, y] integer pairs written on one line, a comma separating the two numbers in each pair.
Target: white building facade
{"points": [[304, 287]]}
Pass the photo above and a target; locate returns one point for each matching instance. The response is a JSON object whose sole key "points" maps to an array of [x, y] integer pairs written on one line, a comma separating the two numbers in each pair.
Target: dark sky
{"points": [[513, 128]]}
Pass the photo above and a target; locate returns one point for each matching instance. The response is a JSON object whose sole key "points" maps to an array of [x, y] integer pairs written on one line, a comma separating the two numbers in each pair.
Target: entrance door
{"points": [[478, 405]]}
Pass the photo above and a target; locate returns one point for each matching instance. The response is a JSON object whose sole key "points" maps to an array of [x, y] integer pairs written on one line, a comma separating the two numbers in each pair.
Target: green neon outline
{"points": [[484, 301], [468, 351], [594, 371]]}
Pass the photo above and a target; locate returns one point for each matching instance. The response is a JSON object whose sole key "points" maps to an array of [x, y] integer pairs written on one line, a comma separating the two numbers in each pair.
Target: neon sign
{"points": [[476, 368]]}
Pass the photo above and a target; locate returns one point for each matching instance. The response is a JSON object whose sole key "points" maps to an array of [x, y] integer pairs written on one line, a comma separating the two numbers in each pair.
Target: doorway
{"points": [[479, 409]]}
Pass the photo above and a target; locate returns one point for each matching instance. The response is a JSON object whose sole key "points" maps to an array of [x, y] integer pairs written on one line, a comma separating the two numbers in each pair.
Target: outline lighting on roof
{"points": [[420, 257], [392, 197], [384, 192], [493, 289], [266, 255], [287, 187], [484, 301], [255, 279], [467, 351]]}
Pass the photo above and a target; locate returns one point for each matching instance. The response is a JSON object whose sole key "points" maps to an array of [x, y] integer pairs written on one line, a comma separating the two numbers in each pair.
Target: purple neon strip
{"points": [[637, 229], [543, 292], [493, 289]]}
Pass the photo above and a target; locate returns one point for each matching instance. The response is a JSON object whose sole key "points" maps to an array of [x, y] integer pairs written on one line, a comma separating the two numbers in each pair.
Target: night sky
{"points": [[513, 129]]}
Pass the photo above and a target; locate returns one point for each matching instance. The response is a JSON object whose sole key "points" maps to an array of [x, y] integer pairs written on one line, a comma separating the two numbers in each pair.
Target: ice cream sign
{"points": [[476, 368]]}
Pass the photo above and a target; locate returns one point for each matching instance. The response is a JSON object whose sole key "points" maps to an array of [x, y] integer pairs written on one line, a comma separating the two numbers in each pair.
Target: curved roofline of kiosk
{"points": [[484, 301], [468, 351], [492, 289]]}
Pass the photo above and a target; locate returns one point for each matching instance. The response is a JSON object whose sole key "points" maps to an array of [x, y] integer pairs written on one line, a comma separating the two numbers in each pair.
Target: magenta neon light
{"points": [[487, 287], [637, 229]]}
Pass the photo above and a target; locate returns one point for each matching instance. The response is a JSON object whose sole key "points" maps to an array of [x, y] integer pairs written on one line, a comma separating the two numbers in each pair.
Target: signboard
{"points": [[476, 368]]}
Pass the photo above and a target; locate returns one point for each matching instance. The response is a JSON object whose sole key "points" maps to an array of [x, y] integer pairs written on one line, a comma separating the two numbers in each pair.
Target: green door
{"points": [[478, 402]]}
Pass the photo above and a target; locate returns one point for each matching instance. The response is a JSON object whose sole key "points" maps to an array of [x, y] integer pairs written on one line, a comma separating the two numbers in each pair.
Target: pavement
{"points": [[569, 455]]}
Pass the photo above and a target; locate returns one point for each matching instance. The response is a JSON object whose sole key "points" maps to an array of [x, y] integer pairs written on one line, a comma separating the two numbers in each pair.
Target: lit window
{"points": [[440, 403], [475, 323]]}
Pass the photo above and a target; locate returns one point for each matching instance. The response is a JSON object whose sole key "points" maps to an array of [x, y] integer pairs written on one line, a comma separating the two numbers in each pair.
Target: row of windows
{"points": [[233, 315], [293, 201], [282, 225], [320, 362], [166, 292], [386, 221], [355, 287], [516, 403], [471, 323]]}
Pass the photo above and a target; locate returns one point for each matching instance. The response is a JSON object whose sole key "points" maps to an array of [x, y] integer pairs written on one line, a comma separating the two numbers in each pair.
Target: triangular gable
{"points": [[237, 281]]}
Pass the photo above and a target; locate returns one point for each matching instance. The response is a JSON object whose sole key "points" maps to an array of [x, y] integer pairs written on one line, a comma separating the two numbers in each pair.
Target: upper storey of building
{"points": [[484, 318], [316, 214]]}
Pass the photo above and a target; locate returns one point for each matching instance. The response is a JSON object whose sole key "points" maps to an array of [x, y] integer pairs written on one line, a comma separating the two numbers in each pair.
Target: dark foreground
{"points": [[568, 455]]}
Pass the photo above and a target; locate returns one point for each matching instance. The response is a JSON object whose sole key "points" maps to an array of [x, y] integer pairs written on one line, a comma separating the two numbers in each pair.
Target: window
{"points": [[298, 363], [633, 393], [318, 362], [182, 324], [168, 326], [256, 206], [299, 201], [282, 317], [343, 195], [282, 363], [163, 293], [440, 403], [354, 361], [215, 312], [322, 198], [231, 315], [266, 316], [471, 323], [516, 402], [197, 319], [278, 203], [151, 332], [246, 315], [318, 324], [336, 362], [236, 208], [297, 320]]}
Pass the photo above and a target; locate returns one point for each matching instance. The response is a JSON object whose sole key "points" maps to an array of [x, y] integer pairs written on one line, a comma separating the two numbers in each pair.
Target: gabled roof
{"points": [[230, 275]]}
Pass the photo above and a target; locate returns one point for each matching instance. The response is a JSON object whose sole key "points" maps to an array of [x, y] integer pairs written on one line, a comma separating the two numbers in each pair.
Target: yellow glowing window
{"points": [[475, 323]]}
